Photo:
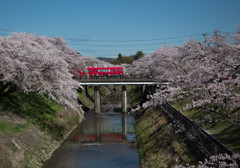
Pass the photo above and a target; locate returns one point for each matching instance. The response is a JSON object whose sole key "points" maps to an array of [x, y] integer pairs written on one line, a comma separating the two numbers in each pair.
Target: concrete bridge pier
{"points": [[124, 99], [97, 106], [150, 89]]}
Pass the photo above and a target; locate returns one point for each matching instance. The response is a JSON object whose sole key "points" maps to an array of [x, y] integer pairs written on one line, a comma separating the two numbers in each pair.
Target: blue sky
{"points": [[104, 28]]}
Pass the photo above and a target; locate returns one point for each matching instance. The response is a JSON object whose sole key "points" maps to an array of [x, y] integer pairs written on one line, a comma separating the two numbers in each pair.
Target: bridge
{"points": [[117, 81], [97, 82]]}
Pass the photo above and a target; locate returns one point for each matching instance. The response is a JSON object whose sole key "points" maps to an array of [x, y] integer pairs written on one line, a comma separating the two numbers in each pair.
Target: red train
{"points": [[98, 72]]}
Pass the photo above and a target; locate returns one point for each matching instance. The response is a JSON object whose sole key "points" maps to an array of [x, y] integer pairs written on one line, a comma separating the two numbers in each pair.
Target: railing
{"points": [[199, 139], [145, 76], [98, 79]]}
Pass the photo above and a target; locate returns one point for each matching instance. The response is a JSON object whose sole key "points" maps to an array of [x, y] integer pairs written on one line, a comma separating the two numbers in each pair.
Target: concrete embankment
{"points": [[158, 145], [32, 127], [24, 144]]}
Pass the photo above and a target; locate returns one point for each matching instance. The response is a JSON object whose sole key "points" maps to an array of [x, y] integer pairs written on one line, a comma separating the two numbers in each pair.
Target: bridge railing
{"points": [[200, 140], [116, 77], [115, 80]]}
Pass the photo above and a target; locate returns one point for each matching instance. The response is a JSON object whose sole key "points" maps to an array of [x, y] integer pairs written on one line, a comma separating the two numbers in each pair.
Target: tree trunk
{"points": [[6, 89]]}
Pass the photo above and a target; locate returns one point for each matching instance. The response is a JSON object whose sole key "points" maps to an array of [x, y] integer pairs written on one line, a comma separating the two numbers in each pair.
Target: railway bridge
{"points": [[97, 82]]}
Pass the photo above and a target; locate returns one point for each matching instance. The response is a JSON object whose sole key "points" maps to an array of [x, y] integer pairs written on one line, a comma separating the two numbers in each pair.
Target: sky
{"points": [[104, 28]]}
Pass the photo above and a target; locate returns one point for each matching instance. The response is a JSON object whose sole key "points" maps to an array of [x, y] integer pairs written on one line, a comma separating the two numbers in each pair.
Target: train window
{"points": [[89, 70], [104, 70]]}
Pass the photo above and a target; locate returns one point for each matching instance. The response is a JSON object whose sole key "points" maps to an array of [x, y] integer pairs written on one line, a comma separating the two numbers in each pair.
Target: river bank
{"points": [[158, 145], [32, 127]]}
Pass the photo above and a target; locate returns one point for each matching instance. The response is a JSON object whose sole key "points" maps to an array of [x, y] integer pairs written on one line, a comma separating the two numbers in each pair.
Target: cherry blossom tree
{"points": [[91, 61], [161, 64], [205, 73], [38, 64], [214, 82]]}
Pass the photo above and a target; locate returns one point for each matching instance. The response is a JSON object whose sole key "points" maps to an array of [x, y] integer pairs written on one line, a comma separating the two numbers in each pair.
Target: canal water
{"points": [[101, 141]]}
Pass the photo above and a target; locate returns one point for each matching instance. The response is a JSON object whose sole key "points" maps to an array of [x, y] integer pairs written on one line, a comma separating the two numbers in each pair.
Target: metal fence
{"points": [[199, 140]]}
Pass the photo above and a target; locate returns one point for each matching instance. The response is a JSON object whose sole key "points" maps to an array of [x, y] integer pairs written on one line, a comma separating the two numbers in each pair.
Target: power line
{"points": [[112, 45], [5, 29], [111, 55], [115, 50], [168, 38], [3, 34]]}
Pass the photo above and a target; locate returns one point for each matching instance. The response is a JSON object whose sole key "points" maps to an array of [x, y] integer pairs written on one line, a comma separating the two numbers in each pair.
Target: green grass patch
{"points": [[230, 136], [178, 106], [37, 109], [80, 95], [90, 90], [226, 132], [158, 146], [85, 100], [11, 127], [136, 96], [215, 128]]}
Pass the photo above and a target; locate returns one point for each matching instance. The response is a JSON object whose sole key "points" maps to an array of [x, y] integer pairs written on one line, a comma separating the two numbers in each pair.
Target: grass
{"points": [[104, 91], [136, 97], [85, 100], [158, 146], [36, 121], [155, 141], [13, 128], [37, 109], [90, 90], [226, 132], [230, 136]]}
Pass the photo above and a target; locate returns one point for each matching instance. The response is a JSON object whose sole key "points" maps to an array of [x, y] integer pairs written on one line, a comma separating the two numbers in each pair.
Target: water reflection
{"points": [[124, 126], [115, 107], [105, 129]]}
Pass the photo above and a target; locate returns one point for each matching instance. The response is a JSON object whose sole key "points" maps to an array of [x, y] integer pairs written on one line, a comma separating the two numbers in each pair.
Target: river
{"points": [[101, 141]]}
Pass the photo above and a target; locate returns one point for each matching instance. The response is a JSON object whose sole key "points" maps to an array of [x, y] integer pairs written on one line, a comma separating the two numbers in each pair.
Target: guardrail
{"points": [[199, 140], [96, 79]]}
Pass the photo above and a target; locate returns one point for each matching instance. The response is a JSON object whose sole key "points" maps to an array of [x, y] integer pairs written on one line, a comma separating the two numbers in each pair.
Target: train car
{"points": [[98, 72], [105, 71], [78, 73]]}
